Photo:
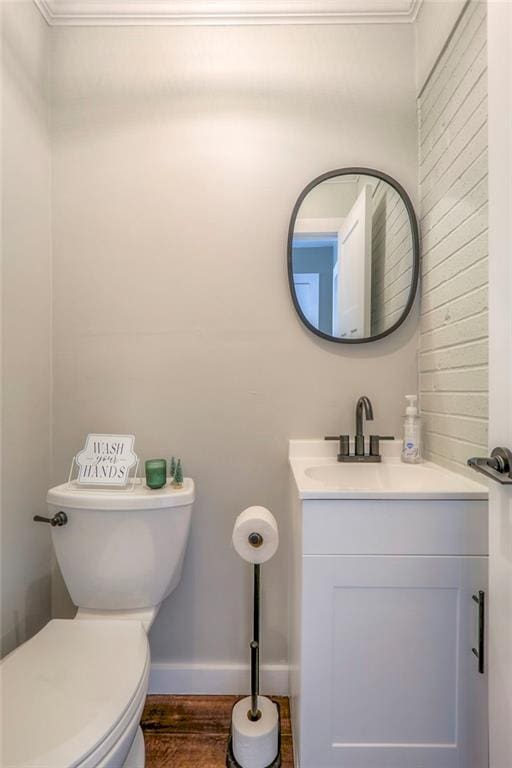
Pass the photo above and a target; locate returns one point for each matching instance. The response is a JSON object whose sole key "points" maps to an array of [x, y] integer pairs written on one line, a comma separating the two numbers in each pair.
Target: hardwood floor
{"points": [[192, 731]]}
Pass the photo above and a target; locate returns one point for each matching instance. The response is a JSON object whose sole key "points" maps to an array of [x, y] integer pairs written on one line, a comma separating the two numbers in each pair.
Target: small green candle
{"points": [[156, 470]]}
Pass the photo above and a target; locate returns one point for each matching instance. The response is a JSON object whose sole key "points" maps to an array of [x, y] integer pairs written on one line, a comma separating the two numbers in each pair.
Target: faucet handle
{"points": [[375, 443], [344, 442]]}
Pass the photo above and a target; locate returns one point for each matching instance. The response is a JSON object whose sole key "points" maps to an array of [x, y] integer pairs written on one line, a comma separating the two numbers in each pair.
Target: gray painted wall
{"points": [[178, 156], [26, 323]]}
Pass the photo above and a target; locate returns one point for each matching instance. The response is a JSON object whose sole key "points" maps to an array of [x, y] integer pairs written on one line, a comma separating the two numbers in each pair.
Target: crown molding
{"points": [[90, 13]]}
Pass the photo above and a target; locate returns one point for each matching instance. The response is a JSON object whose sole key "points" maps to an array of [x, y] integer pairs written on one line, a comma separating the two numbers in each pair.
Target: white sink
{"points": [[318, 475]]}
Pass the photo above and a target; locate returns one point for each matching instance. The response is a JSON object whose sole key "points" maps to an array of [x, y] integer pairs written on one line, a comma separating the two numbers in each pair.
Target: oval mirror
{"points": [[353, 255]]}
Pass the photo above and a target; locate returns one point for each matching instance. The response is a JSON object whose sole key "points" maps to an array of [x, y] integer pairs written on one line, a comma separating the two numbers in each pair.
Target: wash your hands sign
{"points": [[106, 460]]}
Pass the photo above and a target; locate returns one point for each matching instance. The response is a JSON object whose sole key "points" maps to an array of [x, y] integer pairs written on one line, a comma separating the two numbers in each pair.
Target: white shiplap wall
{"points": [[391, 257], [453, 213]]}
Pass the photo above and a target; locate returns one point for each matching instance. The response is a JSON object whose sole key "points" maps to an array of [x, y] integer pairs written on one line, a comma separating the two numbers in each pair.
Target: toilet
{"points": [[73, 695]]}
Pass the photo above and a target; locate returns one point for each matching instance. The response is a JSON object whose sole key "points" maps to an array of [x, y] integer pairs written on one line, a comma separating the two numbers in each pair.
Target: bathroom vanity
{"points": [[387, 631]]}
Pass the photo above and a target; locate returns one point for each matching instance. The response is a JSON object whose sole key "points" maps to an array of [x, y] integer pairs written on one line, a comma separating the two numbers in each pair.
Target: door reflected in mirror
{"points": [[353, 255]]}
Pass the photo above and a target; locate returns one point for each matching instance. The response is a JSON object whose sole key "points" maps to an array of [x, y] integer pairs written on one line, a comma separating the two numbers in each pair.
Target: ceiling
{"points": [[211, 12]]}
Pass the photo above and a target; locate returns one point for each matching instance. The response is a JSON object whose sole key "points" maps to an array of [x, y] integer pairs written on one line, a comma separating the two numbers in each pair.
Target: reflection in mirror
{"points": [[353, 260]]}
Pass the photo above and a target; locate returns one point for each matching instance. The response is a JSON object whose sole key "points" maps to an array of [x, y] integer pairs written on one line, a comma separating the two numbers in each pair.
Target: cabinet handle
{"points": [[480, 653]]}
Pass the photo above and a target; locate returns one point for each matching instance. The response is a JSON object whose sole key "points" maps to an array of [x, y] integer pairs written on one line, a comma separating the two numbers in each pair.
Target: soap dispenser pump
{"points": [[411, 451]]}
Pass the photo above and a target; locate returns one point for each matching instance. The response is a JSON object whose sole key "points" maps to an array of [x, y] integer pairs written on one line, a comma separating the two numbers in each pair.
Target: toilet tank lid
{"points": [[73, 496]]}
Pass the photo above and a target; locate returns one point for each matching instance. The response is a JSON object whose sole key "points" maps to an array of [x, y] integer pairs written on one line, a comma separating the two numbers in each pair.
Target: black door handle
{"points": [[497, 466]]}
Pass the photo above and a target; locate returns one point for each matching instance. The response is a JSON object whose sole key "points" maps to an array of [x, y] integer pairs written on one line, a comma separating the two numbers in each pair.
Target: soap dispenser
{"points": [[411, 451]]}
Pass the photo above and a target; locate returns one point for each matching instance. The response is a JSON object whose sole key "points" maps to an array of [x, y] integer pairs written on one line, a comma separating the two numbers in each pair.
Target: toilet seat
{"points": [[73, 694]]}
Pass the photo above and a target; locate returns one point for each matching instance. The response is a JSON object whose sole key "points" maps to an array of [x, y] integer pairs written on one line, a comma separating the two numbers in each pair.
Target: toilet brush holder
{"points": [[255, 734]]}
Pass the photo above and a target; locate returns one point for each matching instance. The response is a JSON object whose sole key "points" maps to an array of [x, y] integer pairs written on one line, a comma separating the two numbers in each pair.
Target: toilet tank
{"points": [[121, 549]]}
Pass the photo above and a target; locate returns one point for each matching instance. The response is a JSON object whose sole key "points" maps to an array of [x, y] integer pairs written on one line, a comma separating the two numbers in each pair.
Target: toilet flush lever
{"points": [[59, 518]]}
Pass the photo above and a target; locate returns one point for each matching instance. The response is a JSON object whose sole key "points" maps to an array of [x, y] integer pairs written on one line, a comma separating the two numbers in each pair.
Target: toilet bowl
{"points": [[73, 695]]}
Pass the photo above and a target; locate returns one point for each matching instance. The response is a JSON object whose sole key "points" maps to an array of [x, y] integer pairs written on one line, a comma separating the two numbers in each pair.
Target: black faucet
{"points": [[363, 406], [362, 403]]}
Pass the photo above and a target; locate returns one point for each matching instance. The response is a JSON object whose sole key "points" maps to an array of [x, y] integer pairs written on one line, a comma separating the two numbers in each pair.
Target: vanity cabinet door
{"points": [[389, 679]]}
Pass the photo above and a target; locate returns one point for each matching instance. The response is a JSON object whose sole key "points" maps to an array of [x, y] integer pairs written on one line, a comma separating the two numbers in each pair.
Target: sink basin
{"points": [[319, 476], [384, 476]]}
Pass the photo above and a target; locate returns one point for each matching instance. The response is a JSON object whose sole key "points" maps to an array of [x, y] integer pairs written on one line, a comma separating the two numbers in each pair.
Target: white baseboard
{"points": [[167, 677]]}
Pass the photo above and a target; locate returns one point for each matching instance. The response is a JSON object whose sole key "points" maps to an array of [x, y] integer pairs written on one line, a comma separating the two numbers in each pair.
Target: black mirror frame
{"points": [[415, 247]]}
